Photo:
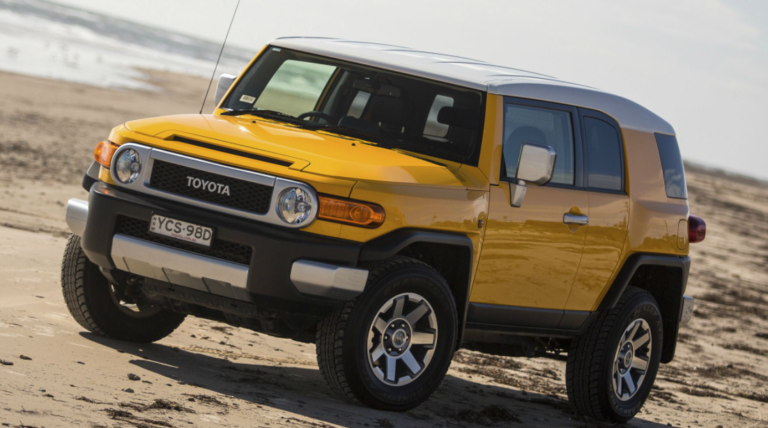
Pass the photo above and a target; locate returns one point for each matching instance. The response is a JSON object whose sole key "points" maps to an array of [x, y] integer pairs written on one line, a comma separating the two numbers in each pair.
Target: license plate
{"points": [[181, 230]]}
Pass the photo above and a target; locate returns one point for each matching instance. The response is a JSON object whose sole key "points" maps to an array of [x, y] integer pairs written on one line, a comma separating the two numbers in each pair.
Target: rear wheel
{"points": [[611, 368], [101, 308], [391, 347]]}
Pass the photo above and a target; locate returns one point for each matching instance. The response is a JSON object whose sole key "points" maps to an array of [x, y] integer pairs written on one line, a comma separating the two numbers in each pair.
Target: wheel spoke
{"points": [[631, 335], [391, 366], [421, 338], [630, 383], [642, 340], [378, 352], [380, 325], [634, 349], [639, 363], [399, 307], [411, 362], [417, 313]]}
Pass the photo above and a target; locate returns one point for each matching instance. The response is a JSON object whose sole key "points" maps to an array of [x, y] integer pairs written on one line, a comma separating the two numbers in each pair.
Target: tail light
{"points": [[697, 229]]}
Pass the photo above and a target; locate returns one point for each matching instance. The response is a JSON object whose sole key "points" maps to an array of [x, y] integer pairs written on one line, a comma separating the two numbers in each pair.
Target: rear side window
{"points": [[604, 160], [672, 165]]}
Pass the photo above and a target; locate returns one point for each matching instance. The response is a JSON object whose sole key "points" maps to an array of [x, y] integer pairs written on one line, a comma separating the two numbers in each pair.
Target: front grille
{"points": [[243, 195], [224, 250]]}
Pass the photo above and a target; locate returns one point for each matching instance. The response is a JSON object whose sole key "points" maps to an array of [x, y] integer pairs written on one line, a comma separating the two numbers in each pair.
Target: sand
{"points": [[209, 374]]}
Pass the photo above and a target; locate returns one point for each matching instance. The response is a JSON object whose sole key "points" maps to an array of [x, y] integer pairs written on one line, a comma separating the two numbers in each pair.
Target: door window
{"points": [[604, 160], [526, 124]]}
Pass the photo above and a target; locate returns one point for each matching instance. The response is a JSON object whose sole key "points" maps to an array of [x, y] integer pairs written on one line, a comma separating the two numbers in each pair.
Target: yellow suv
{"points": [[392, 206]]}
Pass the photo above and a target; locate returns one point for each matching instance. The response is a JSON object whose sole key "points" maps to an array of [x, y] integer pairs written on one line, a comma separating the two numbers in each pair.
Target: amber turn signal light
{"points": [[697, 229], [350, 212], [103, 152]]}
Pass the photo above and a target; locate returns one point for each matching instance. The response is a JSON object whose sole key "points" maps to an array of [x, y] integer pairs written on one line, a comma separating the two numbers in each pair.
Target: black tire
{"points": [[589, 373], [89, 299], [342, 338]]}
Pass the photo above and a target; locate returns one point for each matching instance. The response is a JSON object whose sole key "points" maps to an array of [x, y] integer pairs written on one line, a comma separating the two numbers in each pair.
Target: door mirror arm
{"points": [[517, 193], [535, 167]]}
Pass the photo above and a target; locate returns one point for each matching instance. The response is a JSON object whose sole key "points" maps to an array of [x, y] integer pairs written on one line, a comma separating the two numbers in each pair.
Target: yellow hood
{"points": [[313, 152]]}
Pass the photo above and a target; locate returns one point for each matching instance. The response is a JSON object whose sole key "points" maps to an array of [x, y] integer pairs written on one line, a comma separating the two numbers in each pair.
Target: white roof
{"points": [[480, 75]]}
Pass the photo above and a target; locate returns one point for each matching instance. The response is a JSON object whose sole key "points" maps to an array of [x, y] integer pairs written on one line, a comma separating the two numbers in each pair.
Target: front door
{"points": [[531, 254]]}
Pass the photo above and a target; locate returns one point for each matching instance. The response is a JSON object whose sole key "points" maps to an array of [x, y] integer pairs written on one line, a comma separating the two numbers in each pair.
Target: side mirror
{"points": [[536, 167], [225, 82]]}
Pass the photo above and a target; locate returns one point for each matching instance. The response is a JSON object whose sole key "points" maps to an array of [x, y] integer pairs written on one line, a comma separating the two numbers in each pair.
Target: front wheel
{"points": [[99, 307], [391, 347], [611, 368]]}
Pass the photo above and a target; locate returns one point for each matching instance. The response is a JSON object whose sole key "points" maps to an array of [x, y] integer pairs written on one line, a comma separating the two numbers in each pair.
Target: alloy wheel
{"points": [[402, 339], [630, 363]]}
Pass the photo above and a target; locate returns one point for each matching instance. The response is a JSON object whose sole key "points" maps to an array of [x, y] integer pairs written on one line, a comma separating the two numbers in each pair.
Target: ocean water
{"points": [[54, 41]]}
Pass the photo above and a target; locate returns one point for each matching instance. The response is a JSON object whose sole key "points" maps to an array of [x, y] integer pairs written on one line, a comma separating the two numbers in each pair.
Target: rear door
{"points": [[605, 180]]}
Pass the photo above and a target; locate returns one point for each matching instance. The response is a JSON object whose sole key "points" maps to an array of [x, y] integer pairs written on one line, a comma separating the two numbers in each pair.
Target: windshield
{"points": [[393, 110]]}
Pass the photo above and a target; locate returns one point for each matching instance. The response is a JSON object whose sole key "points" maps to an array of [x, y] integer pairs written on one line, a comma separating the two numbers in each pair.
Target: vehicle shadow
{"points": [[302, 390]]}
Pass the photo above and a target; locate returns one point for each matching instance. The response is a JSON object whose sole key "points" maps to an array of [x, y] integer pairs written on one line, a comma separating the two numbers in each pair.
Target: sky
{"points": [[700, 64]]}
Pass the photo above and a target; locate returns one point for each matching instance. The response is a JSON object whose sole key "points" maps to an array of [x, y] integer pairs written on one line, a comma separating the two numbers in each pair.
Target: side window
{"points": [[672, 164], [433, 128], [295, 87], [524, 124], [604, 160]]}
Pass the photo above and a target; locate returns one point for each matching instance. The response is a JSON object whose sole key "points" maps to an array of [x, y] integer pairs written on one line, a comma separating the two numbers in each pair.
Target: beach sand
{"points": [[209, 374]]}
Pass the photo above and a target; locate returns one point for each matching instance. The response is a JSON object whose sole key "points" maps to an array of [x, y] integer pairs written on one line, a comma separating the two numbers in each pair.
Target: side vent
{"points": [[230, 151]]}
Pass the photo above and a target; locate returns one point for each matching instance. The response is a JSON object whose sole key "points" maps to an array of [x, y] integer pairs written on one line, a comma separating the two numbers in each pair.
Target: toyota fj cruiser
{"points": [[392, 206]]}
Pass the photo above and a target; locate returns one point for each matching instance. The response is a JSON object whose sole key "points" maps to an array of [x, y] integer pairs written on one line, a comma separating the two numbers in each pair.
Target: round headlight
{"points": [[295, 205], [128, 166]]}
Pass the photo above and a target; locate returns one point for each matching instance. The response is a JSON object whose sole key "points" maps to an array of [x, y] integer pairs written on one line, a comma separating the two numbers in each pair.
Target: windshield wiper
{"points": [[269, 114], [342, 130], [405, 152]]}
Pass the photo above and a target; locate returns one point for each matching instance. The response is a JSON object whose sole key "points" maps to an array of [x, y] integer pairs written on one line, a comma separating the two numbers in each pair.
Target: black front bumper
{"points": [[274, 249]]}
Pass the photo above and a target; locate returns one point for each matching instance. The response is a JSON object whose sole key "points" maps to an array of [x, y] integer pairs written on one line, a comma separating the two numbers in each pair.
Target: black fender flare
{"points": [[392, 243], [91, 176], [630, 267], [671, 313]]}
